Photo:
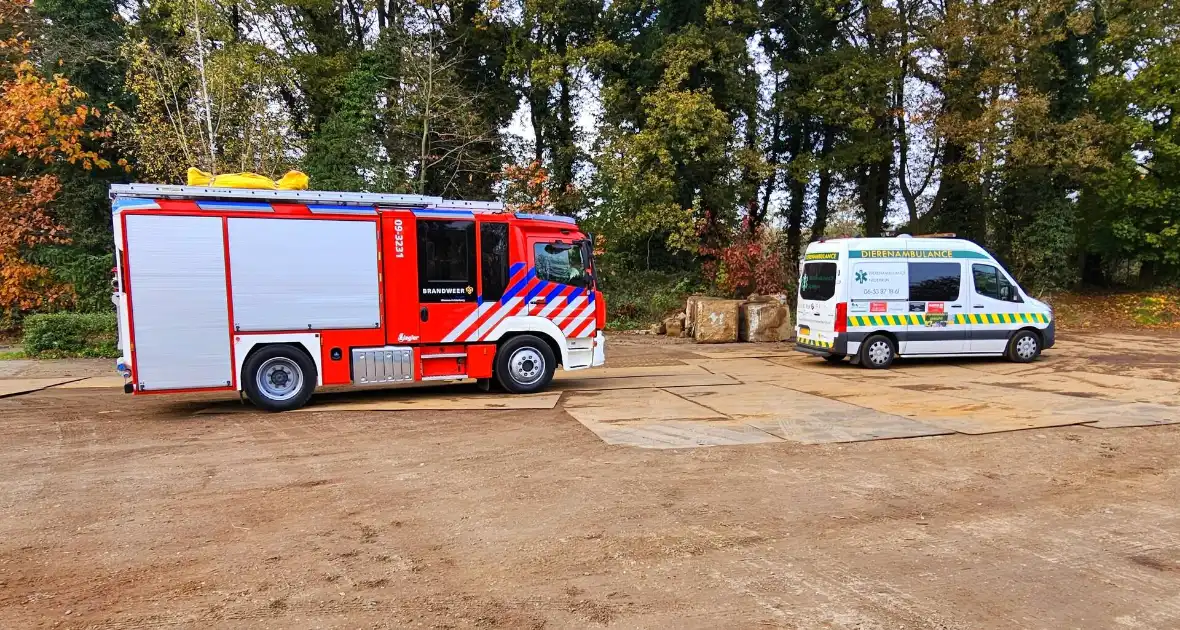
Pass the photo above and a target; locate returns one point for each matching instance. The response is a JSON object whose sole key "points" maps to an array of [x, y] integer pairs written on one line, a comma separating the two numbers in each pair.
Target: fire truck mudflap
{"points": [[274, 293]]}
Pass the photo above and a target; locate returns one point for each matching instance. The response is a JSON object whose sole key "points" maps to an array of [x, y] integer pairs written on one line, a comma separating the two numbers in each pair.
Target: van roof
{"points": [[896, 242]]}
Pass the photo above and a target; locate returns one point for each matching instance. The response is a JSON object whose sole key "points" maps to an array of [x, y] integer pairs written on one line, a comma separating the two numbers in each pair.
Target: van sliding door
{"points": [[937, 295]]}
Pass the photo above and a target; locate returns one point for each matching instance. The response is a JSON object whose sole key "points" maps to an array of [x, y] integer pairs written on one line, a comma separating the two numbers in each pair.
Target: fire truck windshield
{"points": [[563, 263]]}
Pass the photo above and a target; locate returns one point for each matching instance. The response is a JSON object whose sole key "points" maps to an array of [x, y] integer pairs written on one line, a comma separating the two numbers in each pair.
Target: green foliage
{"points": [[637, 299], [343, 151], [60, 335], [1045, 129], [89, 275], [1158, 310], [673, 95]]}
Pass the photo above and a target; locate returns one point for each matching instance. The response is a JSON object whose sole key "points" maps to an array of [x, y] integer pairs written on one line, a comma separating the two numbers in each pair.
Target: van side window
{"points": [[935, 281], [818, 281], [993, 284]]}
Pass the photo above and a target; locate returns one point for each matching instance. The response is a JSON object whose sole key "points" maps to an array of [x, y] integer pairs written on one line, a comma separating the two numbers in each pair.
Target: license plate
{"points": [[805, 330]]}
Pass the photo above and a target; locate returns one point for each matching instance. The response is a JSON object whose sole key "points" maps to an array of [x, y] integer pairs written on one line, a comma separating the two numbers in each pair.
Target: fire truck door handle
{"points": [[424, 314], [537, 300]]}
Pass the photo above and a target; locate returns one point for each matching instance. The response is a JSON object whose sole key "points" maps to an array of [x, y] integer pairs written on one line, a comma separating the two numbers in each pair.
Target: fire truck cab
{"points": [[274, 293]]}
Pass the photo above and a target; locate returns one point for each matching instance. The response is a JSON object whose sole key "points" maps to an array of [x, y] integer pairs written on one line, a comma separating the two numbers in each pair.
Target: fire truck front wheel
{"points": [[279, 377], [524, 364]]}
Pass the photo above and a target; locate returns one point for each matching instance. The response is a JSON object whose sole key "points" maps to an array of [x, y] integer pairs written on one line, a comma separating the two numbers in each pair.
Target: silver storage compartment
{"points": [[374, 366]]}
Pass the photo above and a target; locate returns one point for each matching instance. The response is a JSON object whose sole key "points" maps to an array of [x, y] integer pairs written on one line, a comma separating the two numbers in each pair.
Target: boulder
{"points": [[786, 329], [763, 321], [716, 320], [690, 313], [658, 328], [674, 325]]}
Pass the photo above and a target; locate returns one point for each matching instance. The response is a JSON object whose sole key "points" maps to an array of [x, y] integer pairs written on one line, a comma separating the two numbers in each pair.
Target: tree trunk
{"points": [[819, 224], [958, 205], [773, 156], [425, 144], [1147, 274], [796, 189], [873, 188], [566, 149], [538, 114]]}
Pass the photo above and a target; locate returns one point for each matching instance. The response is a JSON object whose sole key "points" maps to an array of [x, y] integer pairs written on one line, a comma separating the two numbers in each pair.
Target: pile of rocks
{"points": [[714, 320]]}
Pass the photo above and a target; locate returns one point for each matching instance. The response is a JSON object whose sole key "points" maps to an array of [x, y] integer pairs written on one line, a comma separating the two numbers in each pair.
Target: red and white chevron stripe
{"points": [[574, 317]]}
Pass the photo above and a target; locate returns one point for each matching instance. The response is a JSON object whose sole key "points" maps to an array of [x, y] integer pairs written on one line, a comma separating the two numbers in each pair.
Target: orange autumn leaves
{"points": [[42, 123], [527, 188]]}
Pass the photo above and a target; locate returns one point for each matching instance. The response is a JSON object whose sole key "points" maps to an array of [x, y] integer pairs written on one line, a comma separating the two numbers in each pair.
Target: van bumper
{"points": [[839, 347], [1049, 335]]}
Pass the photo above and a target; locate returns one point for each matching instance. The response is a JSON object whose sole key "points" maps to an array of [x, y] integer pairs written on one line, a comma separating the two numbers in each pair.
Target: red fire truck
{"points": [[274, 292]]}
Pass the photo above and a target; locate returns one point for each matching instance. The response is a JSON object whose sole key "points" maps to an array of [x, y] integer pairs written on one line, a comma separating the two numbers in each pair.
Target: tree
{"points": [[1131, 210], [678, 86], [205, 96], [548, 59], [42, 123]]}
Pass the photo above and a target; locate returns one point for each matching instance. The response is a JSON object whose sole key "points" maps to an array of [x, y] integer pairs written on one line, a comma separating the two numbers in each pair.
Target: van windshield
{"points": [[818, 281]]}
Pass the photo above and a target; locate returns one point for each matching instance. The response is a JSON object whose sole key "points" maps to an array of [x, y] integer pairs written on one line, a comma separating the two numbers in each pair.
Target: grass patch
{"points": [[12, 355]]}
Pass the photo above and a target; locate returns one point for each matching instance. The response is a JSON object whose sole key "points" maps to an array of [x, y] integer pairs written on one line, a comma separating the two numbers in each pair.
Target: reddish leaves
{"points": [[528, 189], [41, 123], [749, 264]]}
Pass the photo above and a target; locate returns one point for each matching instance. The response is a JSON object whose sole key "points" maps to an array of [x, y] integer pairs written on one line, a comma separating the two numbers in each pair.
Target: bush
{"points": [[60, 335], [638, 299]]}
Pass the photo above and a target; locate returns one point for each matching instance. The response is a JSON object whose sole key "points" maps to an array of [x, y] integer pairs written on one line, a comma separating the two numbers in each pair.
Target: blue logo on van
{"points": [[862, 277]]}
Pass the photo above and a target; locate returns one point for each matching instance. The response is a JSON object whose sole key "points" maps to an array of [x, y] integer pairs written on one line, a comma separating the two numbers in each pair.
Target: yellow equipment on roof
{"points": [[293, 180]]}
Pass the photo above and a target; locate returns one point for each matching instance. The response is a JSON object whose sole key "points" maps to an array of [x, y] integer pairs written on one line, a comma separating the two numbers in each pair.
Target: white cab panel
{"points": [[301, 274], [181, 314]]}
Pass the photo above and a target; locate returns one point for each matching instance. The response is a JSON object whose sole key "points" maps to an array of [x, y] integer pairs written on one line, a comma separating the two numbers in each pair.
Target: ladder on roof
{"points": [[164, 191]]}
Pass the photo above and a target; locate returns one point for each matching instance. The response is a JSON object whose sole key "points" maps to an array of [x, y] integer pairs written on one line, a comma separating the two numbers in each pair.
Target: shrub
{"points": [[751, 263], [637, 299], [71, 335]]}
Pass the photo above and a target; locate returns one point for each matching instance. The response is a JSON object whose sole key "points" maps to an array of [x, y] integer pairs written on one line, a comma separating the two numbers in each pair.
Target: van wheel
{"points": [[1024, 347], [279, 378], [524, 364], [877, 352]]}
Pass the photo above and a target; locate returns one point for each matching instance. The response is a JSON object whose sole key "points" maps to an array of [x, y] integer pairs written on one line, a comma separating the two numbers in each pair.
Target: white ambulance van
{"points": [[876, 299]]}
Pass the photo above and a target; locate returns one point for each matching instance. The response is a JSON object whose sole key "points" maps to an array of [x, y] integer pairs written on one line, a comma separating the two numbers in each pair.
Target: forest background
{"points": [[704, 142]]}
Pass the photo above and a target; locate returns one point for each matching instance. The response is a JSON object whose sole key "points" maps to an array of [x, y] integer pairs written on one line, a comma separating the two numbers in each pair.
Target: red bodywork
{"points": [[451, 337]]}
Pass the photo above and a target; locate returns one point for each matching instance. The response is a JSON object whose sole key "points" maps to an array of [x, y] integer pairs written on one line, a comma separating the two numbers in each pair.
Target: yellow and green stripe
{"points": [[885, 320], [970, 318], [815, 343], [1002, 318]]}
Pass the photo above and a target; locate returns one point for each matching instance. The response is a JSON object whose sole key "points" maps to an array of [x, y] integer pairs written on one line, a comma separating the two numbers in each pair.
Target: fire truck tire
{"points": [[279, 377], [524, 364]]}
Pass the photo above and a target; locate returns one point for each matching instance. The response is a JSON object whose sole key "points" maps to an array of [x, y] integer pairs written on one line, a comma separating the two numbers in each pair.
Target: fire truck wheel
{"points": [[279, 378], [524, 364]]}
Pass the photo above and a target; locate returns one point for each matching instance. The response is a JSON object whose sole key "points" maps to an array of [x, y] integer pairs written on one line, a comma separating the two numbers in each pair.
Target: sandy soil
{"points": [[121, 512]]}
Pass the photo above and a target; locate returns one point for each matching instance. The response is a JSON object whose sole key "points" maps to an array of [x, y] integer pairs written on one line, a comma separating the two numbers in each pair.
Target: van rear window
{"points": [[818, 281]]}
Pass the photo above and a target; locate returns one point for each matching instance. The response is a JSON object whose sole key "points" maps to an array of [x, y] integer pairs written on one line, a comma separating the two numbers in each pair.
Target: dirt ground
{"points": [[121, 512]]}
